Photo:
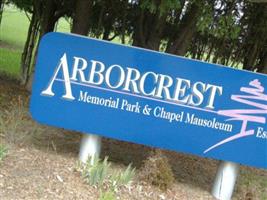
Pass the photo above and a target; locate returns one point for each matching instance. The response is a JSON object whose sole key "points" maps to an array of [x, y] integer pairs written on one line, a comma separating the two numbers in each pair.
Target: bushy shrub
{"points": [[157, 171]]}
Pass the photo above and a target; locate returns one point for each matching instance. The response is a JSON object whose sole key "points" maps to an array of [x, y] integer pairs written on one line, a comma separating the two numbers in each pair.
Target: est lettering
{"points": [[261, 133]]}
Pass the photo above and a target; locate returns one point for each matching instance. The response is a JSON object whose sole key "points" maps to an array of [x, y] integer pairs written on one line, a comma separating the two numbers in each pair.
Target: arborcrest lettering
{"points": [[132, 80]]}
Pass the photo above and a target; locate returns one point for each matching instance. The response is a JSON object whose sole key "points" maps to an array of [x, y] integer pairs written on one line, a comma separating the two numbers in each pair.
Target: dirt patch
{"points": [[11, 92], [28, 173], [41, 164], [6, 45]]}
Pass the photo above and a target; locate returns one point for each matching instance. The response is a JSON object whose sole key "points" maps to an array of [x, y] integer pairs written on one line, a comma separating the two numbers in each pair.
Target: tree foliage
{"points": [[219, 31]]}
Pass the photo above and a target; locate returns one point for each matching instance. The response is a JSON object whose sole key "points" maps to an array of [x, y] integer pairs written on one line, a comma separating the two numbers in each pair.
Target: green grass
{"points": [[108, 195], [10, 61], [3, 152], [13, 34], [63, 26], [14, 27]]}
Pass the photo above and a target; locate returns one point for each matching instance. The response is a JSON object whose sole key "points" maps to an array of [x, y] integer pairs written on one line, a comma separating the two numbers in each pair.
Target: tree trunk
{"points": [[201, 50], [2, 3], [255, 40], [81, 17], [264, 70], [107, 32], [45, 17], [100, 23], [209, 53], [26, 57], [186, 30], [262, 65], [251, 56], [148, 30], [48, 20], [138, 34], [123, 32], [219, 50]]}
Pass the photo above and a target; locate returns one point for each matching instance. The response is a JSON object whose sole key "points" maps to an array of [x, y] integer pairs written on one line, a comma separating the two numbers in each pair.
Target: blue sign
{"points": [[151, 98]]}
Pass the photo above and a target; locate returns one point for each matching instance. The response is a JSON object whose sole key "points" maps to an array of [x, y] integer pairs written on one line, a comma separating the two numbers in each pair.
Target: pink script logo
{"points": [[254, 92]]}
